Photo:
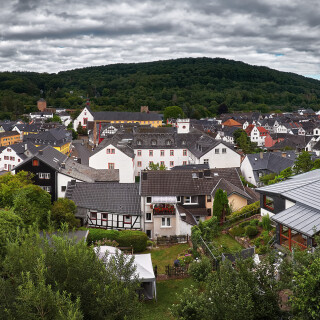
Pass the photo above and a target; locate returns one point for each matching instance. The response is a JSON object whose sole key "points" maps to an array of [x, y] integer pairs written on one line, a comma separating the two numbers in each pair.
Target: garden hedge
{"points": [[125, 238]]}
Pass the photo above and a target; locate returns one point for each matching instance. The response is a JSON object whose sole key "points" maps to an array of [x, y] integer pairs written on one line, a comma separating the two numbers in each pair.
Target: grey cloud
{"points": [[53, 35]]}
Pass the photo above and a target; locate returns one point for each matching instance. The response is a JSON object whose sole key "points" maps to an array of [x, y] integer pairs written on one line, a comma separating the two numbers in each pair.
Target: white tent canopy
{"points": [[144, 269]]}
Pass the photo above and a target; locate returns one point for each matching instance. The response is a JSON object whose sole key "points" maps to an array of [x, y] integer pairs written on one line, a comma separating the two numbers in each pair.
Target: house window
{"points": [[224, 150], [184, 163], [166, 222], [18, 160], [104, 216], [9, 150], [150, 163], [150, 153], [5, 166], [111, 151], [148, 216], [139, 142], [208, 198], [171, 152], [162, 163], [85, 121], [154, 142], [162, 153], [110, 165], [93, 215], [206, 161], [46, 188], [139, 163], [63, 188], [178, 199], [268, 203], [168, 142], [139, 153], [149, 234], [216, 151], [184, 152], [148, 199], [171, 163], [12, 158], [35, 162], [43, 175], [191, 200], [6, 157], [127, 219]]}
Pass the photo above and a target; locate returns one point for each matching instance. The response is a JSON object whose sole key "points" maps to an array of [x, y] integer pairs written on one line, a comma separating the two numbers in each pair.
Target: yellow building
{"points": [[9, 137]]}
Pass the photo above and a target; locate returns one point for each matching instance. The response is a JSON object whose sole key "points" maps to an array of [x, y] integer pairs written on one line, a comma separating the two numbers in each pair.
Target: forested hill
{"points": [[198, 85]]}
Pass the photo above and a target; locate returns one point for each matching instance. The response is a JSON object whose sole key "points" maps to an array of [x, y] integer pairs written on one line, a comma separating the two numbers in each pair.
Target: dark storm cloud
{"points": [[54, 35]]}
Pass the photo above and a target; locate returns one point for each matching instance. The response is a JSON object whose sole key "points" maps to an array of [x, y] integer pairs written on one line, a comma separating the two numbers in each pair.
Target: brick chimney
{"points": [[42, 105], [144, 109]]}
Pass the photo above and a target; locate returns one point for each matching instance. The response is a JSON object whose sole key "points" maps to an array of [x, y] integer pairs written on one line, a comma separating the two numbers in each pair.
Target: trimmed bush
{"points": [[126, 238], [254, 222], [237, 231], [251, 231], [253, 208], [200, 269], [244, 224]]}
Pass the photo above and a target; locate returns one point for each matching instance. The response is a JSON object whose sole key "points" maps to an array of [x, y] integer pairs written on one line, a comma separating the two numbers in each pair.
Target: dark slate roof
{"points": [[84, 173], [8, 133], [293, 141], [271, 161], [48, 155], [110, 197], [126, 116], [191, 167], [56, 137], [229, 188], [188, 183], [187, 216]]}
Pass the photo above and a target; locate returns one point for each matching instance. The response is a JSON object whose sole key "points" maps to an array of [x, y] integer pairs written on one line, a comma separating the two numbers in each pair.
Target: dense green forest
{"points": [[198, 85]]}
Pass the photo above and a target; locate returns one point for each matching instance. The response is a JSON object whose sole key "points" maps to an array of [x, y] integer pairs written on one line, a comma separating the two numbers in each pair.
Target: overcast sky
{"points": [[55, 35]]}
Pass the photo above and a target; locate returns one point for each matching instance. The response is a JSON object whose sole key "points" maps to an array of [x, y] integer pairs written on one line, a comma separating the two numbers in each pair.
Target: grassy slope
{"points": [[167, 295], [227, 241], [164, 256]]}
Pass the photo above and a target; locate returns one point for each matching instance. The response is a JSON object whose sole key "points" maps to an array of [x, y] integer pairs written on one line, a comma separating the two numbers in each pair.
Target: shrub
{"points": [[251, 208], [260, 224], [200, 269], [266, 223], [125, 238], [254, 222], [251, 231], [244, 224], [237, 231]]}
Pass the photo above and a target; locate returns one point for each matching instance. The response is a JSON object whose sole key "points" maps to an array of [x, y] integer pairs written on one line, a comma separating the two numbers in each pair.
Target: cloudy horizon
{"points": [[52, 36]]}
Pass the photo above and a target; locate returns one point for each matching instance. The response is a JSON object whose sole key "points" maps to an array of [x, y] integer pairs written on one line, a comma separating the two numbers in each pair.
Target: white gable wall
{"points": [[85, 114], [121, 161], [9, 159], [247, 172]]}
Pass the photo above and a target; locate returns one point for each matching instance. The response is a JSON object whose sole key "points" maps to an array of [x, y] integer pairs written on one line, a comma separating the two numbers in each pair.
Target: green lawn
{"points": [[164, 256], [226, 241], [166, 296]]}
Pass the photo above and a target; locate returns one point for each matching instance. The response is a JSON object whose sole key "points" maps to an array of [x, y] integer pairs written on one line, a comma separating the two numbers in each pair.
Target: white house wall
{"points": [[247, 172], [121, 161], [12, 161], [142, 162], [62, 181], [84, 114]]}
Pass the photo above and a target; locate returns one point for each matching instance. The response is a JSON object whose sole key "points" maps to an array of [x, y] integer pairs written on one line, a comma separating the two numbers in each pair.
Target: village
{"points": [[171, 193]]}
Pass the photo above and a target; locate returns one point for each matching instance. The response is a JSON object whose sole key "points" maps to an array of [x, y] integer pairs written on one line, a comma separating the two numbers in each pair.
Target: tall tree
{"points": [[173, 112], [221, 206], [303, 163]]}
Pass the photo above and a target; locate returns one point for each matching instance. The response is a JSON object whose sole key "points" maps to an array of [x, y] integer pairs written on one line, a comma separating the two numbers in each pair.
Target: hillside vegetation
{"points": [[198, 85]]}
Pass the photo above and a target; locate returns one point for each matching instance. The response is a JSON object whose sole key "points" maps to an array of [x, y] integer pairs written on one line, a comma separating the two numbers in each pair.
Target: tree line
{"points": [[198, 85]]}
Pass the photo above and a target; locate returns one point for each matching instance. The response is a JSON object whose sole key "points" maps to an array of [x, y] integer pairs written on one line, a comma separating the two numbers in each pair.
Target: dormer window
{"points": [[139, 142], [183, 142], [154, 142], [168, 142]]}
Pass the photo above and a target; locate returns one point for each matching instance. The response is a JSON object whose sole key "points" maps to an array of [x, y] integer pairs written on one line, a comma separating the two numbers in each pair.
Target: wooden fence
{"points": [[172, 271]]}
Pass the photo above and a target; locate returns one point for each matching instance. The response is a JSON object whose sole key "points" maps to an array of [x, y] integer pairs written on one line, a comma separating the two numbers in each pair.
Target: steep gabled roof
{"points": [[111, 197], [232, 123]]}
